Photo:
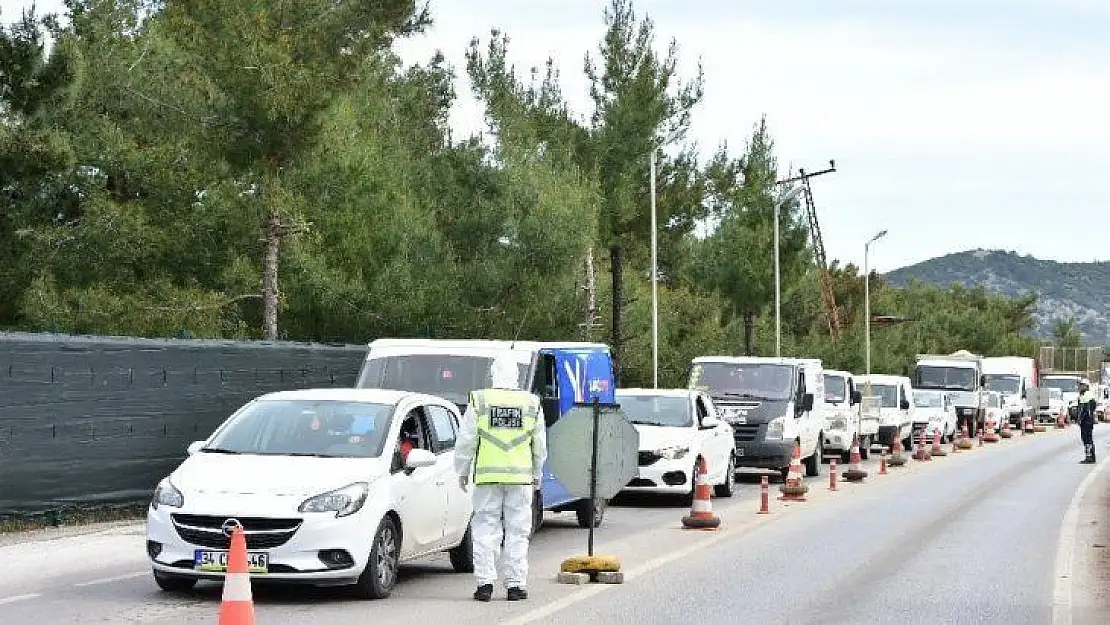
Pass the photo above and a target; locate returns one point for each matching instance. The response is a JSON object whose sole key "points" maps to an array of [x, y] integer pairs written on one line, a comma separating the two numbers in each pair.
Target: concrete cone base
{"points": [[701, 523], [1039, 428], [855, 475], [964, 443], [1007, 434], [939, 451], [793, 492], [897, 460]]}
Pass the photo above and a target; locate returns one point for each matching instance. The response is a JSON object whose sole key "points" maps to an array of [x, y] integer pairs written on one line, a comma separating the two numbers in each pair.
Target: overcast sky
{"points": [[955, 124]]}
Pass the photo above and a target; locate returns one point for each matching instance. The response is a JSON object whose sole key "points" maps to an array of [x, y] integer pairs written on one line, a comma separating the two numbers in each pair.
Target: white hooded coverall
{"points": [[494, 502]]}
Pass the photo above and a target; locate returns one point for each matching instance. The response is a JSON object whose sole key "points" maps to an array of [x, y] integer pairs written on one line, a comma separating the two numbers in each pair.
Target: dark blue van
{"points": [[559, 373]]}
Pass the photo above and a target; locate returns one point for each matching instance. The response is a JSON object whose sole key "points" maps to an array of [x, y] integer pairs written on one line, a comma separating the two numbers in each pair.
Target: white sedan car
{"points": [[330, 486], [676, 428]]}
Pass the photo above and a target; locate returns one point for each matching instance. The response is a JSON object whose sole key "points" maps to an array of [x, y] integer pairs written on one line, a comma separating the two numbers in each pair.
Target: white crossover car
{"points": [[935, 413], [676, 428], [330, 486]]}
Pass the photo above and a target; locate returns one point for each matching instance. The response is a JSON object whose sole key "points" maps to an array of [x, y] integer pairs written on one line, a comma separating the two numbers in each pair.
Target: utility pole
{"points": [[828, 295]]}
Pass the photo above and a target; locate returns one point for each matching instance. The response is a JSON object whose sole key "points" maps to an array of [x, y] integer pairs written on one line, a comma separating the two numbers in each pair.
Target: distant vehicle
{"points": [[843, 421], [560, 374], [772, 405], [317, 482], [1069, 389], [934, 413], [994, 411], [1012, 376], [962, 374], [1051, 407], [677, 427], [896, 411]]}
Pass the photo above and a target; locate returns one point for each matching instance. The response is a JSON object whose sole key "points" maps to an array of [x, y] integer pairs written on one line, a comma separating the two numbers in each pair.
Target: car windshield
{"points": [[950, 378], [656, 410], [337, 429], [1009, 384], [755, 380], [836, 389], [452, 377], [1065, 385], [888, 393], [926, 399]]}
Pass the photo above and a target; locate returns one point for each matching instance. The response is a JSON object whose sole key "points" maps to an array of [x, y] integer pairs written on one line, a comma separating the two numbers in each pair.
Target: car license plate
{"points": [[216, 561]]}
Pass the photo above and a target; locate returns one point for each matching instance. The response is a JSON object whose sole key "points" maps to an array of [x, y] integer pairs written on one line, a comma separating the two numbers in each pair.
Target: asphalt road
{"points": [[964, 538]]}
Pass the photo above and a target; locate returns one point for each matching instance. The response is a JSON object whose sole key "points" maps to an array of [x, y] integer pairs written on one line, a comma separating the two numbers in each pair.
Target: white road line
{"points": [[7, 600], [1065, 551], [108, 580]]}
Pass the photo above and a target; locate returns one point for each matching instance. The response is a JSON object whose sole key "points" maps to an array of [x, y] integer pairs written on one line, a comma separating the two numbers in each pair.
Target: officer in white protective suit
{"points": [[503, 444]]}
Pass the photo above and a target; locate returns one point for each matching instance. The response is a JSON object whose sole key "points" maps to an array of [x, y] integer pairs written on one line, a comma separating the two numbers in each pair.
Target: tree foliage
{"points": [[214, 148]]}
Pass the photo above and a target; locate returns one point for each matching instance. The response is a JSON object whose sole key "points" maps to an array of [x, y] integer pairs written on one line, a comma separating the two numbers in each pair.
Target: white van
{"points": [[896, 414], [771, 404], [842, 416]]}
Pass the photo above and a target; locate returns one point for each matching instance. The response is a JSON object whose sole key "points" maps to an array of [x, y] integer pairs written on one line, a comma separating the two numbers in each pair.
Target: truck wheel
{"points": [[582, 512]]}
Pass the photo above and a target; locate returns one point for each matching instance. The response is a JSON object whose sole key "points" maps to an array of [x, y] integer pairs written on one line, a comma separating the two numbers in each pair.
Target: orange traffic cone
{"points": [[1028, 428], [701, 511], [991, 436], [237, 607], [1061, 422], [854, 473], [896, 457], [1006, 432], [923, 450], [794, 489], [964, 442], [937, 449]]}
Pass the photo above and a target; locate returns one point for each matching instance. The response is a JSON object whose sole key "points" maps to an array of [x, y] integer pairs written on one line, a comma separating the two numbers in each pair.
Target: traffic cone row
{"points": [[991, 436], [794, 489], [965, 441], [937, 449], [701, 515], [896, 457], [1006, 433]]}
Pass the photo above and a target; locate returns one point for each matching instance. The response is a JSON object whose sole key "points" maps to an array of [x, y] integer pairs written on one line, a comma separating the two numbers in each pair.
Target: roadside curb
{"points": [[1072, 568]]}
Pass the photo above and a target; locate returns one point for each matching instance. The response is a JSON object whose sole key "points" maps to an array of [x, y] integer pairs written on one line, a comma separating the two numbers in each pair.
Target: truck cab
{"points": [[559, 374], [896, 408], [1068, 384], [772, 405], [960, 373], [842, 416], [1012, 377]]}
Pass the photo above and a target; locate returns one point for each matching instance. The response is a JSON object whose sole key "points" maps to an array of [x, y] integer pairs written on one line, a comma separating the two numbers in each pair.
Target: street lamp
{"points": [[783, 199], [867, 299]]}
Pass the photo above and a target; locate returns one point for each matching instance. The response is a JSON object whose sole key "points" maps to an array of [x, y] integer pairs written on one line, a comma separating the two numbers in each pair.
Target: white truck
{"points": [[844, 419], [1012, 377], [896, 409], [960, 373], [772, 405], [1068, 383]]}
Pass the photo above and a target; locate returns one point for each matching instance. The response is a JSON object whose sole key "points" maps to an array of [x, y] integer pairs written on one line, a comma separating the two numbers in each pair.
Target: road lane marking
{"points": [[109, 580], [1065, 551], [8, 600]]}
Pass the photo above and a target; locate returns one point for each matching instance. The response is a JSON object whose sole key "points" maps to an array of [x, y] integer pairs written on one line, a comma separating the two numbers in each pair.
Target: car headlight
{"points": [[840, 423], [342, 501], [672, 453], [166, 494], [776, 428]]}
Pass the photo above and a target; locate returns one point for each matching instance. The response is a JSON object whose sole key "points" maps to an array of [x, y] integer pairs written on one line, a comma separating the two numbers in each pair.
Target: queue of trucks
{"points": [[771, 404]]}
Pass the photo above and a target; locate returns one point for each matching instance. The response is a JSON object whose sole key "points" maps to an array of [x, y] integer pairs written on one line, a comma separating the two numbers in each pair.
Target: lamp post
{"points": [[654, 282], [867, 299], [786, 197]]}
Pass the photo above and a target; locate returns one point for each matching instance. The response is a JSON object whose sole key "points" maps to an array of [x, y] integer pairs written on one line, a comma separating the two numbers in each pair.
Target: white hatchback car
{"points": [[676, 428], [331, 487]]}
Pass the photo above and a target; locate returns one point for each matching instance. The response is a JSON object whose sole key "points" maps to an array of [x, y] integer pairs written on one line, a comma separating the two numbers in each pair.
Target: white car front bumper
{"points": [[309, 548], [663, 475]]}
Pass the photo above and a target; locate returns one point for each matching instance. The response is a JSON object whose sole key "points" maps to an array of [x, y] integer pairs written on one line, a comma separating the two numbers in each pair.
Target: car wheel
{"points": [[174, 583], [582, 512], [462, 556], [724, 489], [813, 463], [380, 574]]}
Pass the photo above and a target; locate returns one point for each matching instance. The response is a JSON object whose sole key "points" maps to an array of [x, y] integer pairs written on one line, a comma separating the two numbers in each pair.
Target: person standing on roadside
{"points": [[503, 442], [1086, 418]]}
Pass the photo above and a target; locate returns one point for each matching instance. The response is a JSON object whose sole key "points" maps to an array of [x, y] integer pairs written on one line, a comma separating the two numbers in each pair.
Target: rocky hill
{"points": [[1064, 289]]}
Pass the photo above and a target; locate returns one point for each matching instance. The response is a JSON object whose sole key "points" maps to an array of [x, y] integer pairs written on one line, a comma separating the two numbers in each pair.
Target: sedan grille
{"points": [[260, 532]]}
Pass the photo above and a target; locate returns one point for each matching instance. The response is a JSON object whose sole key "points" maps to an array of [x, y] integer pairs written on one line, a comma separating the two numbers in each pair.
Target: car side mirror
{"points": [[194, 447], [807, 402], [905, 404], [420, 458], [709, 422], [857, 397]]}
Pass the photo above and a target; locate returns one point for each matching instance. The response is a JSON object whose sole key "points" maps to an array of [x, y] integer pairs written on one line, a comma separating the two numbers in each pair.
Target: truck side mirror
{"points": [[807, 402], [857, 397], [982, 380], [905, 405]]}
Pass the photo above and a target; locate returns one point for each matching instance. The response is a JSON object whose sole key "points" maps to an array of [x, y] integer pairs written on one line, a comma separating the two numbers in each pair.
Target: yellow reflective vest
{"points": [[506, 420]]}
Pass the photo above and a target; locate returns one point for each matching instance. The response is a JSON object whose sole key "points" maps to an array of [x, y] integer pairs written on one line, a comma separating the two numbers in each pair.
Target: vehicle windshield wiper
{"points": [[744, 395], [645, 422], [306, 454], [219, 450]]}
